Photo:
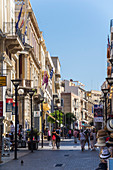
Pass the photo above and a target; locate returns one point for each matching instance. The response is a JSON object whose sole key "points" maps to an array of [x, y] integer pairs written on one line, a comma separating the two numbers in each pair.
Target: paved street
{"points": [[68, 157]]}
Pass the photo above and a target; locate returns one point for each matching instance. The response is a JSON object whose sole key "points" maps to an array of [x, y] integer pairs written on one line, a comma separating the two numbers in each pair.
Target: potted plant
{"points": [[35, 139]]}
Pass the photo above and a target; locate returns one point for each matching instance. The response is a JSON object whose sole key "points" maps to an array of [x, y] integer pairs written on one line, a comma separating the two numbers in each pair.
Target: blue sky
{"points": [[76, 31]]}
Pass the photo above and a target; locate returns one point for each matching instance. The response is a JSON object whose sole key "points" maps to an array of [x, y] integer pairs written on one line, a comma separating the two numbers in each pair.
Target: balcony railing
{"points": [[9, 28]]}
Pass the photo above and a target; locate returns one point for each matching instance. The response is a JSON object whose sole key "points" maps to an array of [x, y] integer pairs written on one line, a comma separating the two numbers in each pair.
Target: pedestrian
{"points": [[92, 140], [58, 138], [82, 139], [75, 133], [49, 137], [87, 134], [94, 135], [53, 138], [12, 129], [69, 132]]}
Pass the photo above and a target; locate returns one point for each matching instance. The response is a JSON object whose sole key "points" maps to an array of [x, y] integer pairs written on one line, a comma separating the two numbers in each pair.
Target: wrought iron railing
{"points": [[9, 28]]}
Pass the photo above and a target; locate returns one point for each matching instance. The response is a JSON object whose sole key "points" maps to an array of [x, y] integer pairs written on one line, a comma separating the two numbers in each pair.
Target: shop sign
{"points": [[98, 113], [98, 119], [3, 81], [36, 113], [9, 105], [1, 108]]}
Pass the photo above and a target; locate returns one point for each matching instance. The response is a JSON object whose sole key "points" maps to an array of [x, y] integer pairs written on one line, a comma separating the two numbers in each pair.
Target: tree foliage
{"points": [[70, 118], [59, 117]]}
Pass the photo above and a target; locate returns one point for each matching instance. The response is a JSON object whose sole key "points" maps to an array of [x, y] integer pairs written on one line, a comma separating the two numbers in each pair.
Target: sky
{"points": [[76, 31]]}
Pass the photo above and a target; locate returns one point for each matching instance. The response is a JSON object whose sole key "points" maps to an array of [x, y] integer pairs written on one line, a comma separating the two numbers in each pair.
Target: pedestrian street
{"points": [[68, 157]]}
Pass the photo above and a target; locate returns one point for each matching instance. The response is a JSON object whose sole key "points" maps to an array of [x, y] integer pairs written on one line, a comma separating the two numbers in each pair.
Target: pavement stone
{"points": [[70, 155]]}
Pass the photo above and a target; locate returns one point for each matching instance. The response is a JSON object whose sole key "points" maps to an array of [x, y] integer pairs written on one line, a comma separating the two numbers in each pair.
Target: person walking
{"points": [[53, 138], [75, 133], [82, 139], [94, 135], [92, 140], [58, 138], [49, 137], [69, 132], [12, 130], [87, 134]]}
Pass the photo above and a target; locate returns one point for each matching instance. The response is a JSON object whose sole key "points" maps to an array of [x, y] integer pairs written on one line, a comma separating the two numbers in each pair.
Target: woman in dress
{"points": [[53, 138]]}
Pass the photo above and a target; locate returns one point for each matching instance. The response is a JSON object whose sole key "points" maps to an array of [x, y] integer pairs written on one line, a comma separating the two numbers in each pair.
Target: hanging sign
{"points": [[9, 105], [3, 81], [1, 108], [36, 113]]}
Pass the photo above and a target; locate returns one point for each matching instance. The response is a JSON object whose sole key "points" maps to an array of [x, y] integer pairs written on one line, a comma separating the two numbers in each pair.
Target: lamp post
{"points": [[105, 91], [31, 95], [55, 108], [110, 82], [59, 117], [63, 122], [41, 101], [16, 83]]}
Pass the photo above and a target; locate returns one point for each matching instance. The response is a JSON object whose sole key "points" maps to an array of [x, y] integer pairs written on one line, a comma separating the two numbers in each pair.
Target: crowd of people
{"points": [[85, 136]]}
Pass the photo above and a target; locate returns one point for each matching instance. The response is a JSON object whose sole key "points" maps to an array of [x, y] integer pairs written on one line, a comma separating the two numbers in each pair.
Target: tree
{"points": [[70, 118], [59, 117]]}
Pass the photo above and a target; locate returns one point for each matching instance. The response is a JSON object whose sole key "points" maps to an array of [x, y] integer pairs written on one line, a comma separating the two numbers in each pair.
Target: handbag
{"points": [[53, 138]]}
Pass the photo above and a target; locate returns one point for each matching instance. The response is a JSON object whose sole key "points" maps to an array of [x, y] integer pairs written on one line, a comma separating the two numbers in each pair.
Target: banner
{"points": [[1, 108], [9, 105], [98, 113]]}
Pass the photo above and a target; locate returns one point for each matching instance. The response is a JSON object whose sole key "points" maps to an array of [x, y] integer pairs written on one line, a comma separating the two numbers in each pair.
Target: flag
{"points": [[22, 24], [19, 16], [25, 33], [26, 25], [51, 73], [45, 79]]}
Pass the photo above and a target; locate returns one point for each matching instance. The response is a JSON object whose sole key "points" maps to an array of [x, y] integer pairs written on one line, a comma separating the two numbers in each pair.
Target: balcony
{"points": [[26, 83], [14, 39], [57, 83], [57, 74], [111, 25]]}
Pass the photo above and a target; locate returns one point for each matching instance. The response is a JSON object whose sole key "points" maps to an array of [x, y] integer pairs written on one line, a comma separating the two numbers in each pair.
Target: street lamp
{"points": [[16, 83], [105, 91], [31, 92], [41, 101], [110, 82], [55, 108]]}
